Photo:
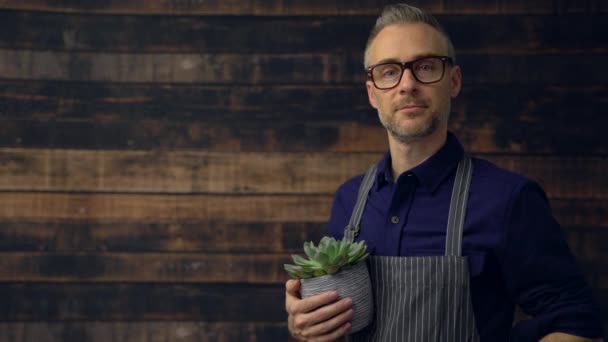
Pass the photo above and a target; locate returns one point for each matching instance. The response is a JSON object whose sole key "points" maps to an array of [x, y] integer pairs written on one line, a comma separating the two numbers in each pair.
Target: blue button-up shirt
{"points": [[516, 250]]}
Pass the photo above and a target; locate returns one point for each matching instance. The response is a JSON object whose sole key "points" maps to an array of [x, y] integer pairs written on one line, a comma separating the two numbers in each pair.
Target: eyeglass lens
{"points": [[426, 70]]}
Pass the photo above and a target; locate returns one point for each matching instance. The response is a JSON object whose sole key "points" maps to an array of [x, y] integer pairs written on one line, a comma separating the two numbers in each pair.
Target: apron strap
{"points": [[352, 230], [458, 206]]}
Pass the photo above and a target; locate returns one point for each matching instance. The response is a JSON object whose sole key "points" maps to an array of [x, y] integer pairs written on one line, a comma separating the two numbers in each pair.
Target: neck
{"points": [[406, 156]]}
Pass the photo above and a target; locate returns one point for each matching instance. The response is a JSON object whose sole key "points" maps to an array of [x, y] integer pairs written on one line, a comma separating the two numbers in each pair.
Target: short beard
{"points": [[408, 137]]}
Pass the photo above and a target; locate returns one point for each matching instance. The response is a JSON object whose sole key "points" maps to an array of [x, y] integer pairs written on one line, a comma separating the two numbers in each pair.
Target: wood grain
{"points": [[253, 173], [190, 237], [286, 118], [320, 68], [142, 302], [143, 331], [294, 7], [130, 208], [101, 208], [145, 267], [313, 34]]}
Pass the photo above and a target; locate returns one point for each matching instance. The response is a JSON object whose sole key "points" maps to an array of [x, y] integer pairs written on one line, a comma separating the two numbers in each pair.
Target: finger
{"points": [[314, 302], [292, 287], [334, 335], [329, 325], [324, 313], [292, 295]]}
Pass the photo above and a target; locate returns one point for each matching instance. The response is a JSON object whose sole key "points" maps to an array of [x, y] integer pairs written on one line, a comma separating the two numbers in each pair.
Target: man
{"points": [[455, 242]]}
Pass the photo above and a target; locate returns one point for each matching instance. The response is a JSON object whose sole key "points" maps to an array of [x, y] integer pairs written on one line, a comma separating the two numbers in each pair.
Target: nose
{"points": [[408, 82]]}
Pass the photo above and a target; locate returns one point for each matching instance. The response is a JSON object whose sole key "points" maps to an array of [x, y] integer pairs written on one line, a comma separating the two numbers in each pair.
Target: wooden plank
{"points": [[205, 237], [294, 7], [135, 331], [272, 104], [202, 236], [267, 173], [42, 207], [324, 68], [130, 208], [143, 331], [286, 118], [142, 302], [202, 267], [145, 267], [249, 34]]}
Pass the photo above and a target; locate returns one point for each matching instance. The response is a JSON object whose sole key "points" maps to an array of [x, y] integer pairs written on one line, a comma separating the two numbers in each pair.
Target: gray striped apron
{"points": [[423, 298]]}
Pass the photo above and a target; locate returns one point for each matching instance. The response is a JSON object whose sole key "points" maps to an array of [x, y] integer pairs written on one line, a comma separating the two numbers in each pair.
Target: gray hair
{"points": [[405, 14]]}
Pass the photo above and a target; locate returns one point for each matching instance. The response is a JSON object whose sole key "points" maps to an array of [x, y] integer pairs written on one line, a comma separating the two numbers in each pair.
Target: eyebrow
{"points": [[394, 60]]}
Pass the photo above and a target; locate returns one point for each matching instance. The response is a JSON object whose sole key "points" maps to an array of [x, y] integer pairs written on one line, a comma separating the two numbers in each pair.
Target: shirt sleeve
{"points": [[542, 275]]}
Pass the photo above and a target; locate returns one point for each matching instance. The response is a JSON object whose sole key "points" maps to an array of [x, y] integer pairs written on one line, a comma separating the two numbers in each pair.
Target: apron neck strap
{"points": [[458, 206], [352, 230]]}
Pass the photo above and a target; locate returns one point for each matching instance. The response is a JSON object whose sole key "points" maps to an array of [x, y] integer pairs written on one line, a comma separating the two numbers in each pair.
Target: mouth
{"points": [[411, 107]]}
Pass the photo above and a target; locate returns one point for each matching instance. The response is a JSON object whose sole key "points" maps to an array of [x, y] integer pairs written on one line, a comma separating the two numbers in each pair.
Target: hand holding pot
{"points": [[319, 317]]}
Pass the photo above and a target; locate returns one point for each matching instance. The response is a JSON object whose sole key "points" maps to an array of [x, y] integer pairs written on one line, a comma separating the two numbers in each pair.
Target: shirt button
{"points": [[395, 219]]}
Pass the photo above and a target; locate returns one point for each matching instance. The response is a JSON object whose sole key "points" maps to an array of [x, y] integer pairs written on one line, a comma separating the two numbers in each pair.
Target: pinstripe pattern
{"points": [[423, 298]]}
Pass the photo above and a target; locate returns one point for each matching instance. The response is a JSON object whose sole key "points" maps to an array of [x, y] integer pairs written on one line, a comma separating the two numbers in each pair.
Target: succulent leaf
{"points": [[328, 257], [310, 250]]}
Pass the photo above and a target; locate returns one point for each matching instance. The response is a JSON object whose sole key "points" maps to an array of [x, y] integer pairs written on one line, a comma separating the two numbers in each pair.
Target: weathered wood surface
{"points": [[245, 34], [323, 68], [164, 208], [141, 302], [145, 267], [206, 237], [276, 104], [253, 173], [179, 236], [204, 267], [42, 207], [297, 7], [145, 302], [142, 331], [287, 118]]}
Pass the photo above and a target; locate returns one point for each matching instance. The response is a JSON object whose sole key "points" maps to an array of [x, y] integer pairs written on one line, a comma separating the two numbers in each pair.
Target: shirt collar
{"points": [[432, 171]]}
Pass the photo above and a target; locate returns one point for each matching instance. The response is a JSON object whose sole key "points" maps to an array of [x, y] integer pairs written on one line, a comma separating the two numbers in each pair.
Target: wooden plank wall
{"points": [[159, 160]]}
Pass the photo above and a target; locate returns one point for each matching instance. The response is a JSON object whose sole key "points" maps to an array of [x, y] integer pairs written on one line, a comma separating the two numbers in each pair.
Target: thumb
{"points": [[293, 287]]}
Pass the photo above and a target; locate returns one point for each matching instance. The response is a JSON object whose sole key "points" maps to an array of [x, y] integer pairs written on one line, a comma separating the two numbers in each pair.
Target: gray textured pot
{"points": [[353, 282]]}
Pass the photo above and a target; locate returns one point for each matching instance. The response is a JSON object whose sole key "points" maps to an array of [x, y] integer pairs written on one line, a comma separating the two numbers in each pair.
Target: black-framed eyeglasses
{"points": [[426, 70]]}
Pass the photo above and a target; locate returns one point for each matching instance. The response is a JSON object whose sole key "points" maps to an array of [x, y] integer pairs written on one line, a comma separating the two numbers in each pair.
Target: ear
{"points": [[455, 80], [370, 94]]}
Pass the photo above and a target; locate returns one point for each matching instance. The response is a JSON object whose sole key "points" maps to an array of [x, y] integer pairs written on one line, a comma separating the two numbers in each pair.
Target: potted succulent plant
{"points": [[336, 265]]}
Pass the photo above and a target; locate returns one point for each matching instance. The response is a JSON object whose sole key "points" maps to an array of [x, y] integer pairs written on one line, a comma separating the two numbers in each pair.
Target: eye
{"points": [[426, 67], [388, 71]]}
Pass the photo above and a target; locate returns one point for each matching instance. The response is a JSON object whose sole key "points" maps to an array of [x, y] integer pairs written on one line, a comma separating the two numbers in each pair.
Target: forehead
{"points": [[405, 42]]}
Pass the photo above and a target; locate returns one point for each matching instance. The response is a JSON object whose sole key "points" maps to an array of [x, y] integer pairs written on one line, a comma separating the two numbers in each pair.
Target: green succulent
{"points": [[328, 257]]}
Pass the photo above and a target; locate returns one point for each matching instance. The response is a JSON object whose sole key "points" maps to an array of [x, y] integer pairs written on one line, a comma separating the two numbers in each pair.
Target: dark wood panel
{"points": [[325, 68], [141, 302], [287, 118], [204, 236], [142, 331], [139, 330], [43, 207], [247, 34], [145, 267], [294, 7], [267, 173], [135, 208], [208, 237], [53, 101]]}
